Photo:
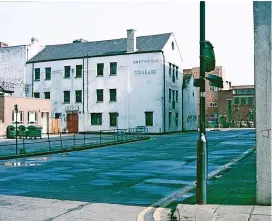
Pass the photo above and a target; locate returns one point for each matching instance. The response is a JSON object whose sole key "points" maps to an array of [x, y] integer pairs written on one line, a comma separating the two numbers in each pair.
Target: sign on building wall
{"points": [[145, 70], [72, 108]]}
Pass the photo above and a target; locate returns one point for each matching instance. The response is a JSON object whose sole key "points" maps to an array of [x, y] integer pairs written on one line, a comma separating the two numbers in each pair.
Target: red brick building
{"points": [[236, 107], [211, 93]]}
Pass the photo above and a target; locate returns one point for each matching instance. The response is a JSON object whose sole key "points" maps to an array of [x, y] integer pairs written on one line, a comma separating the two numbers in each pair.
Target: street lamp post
{"points": [[207, 64], [201, 183], [16, 124]]}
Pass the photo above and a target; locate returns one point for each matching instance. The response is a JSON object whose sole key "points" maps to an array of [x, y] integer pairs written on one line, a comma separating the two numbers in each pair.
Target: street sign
{"points": [[215, 80]]}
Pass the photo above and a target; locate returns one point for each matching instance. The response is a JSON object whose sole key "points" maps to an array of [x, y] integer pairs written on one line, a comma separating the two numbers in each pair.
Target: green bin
{"points": [[22, 131], [34, 131], [11, 133]]}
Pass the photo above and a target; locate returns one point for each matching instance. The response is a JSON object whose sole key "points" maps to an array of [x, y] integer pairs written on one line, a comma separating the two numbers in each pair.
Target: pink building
{"points": [[31, 111]]}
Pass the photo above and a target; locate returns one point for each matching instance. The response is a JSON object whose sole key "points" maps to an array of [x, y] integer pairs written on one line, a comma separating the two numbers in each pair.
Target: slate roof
{"points": [[100, 48]]}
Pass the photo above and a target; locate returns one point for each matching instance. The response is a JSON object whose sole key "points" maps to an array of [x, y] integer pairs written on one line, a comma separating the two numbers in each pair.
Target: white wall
{"points": [[136, 93], [173, 57], [13, 66], [190, 117], [12, 69]]}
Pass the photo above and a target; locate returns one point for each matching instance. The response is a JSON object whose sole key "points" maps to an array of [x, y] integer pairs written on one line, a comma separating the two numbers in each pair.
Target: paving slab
{"points": [[259, 218], [230, 209], [36, 209], [28, 209], [230, 217], [262, 210]]}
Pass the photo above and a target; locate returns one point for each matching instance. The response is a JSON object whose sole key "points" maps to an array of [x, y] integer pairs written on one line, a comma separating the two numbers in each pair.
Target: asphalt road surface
{"points": [[129, 174]]}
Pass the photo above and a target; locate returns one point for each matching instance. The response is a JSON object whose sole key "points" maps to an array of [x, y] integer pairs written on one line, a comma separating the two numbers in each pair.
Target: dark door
{"points": [[72, 122]]}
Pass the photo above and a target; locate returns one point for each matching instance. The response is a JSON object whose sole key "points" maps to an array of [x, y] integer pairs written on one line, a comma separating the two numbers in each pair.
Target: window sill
{"points": [[78, 77], [47, 79], [67, 78], [99, 75], [37, 79], [96, 124], [79, 102], [66, 102], [99, 101], [113, 75], [112, 101]]}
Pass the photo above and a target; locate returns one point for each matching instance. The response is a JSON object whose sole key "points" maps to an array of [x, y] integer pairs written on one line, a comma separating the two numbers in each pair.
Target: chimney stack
{"points": [[131, 41]]}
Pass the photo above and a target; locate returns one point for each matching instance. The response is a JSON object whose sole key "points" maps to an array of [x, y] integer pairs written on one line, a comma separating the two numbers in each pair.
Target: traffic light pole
{"points": [[202, 146]]}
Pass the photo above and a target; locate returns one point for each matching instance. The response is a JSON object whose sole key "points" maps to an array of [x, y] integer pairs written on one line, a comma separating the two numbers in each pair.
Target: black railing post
{"points": [[60, 141], [84, 139], [74, 140], [49, 141], [100, 136]]}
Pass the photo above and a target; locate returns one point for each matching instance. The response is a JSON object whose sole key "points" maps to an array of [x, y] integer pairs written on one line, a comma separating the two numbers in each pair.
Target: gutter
{"points": [[32, 79], [87, 84], [83, 85], [95, 56], [164, 128]]}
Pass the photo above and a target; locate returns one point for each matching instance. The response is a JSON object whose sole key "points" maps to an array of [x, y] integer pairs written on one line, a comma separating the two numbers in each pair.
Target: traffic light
{"points": [[209, 57]]}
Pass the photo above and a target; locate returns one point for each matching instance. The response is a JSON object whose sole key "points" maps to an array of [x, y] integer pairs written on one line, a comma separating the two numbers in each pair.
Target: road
{"points": [[130, 174]]}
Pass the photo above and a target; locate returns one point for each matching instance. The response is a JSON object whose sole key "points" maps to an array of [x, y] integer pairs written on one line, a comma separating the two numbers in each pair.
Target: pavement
{"points": [[120, 182]]}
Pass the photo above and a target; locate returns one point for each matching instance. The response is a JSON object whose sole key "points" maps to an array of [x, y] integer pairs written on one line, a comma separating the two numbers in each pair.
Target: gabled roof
{"points": [[100, 48]]}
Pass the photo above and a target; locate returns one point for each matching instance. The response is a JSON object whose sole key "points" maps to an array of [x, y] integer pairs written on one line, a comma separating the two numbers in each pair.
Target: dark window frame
{"points": [[48, 73], [96, 119], [113, 119], [46, 93], [113, 68], [170, 118], [99, 96], [236, 99], [113, 97], [250, 100], [170, 95], [37, 74], [79, 71], [36, 93], [149, 118], [65, 99], [67, 71], [170, 71], [77, 97], [243, 99], [100, 69]]}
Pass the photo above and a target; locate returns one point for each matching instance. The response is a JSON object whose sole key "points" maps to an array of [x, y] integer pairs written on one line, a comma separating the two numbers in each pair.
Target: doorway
{"points": [[72, 122], [44, 122]]}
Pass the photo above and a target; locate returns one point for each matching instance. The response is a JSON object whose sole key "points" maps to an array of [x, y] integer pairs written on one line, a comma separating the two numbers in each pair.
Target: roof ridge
{"points": [[110, 39]]}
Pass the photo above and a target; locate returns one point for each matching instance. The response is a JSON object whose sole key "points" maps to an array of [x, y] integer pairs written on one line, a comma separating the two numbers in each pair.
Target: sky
{"points": [[229, 27]]}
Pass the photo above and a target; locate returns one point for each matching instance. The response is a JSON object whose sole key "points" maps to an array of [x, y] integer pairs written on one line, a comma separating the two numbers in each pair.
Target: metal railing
{"points": [[65, 141]]}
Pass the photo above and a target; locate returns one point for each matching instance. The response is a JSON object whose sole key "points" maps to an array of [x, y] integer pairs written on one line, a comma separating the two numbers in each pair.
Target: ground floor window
{"points": [[20, 117], [148, 118], [32, 117], [113, 119], [170, 118], [96, 118]]}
